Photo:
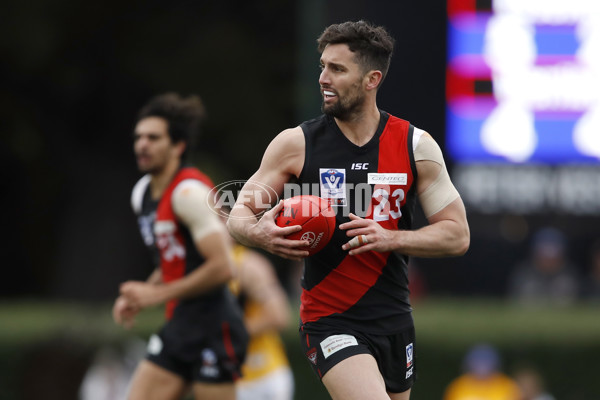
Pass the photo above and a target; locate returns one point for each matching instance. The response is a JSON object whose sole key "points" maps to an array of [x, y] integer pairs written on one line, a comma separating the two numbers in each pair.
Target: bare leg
{"points": [[356, 378], [151, 382], [400, 396], [211, 391]]}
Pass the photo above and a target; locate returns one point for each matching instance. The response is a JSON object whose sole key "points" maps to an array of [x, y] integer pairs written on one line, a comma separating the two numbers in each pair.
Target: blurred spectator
{"points": [[547, 276], [531, 384], [591, 289], [109, 375], [482, 378]]}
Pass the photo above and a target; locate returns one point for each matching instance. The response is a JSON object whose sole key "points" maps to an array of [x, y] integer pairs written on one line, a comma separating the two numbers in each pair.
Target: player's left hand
{"points": [[366, 235], [124, 313], [141, 294]]}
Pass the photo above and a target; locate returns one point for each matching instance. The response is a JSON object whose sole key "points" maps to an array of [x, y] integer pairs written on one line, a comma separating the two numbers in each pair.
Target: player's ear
{"points": [[373, 79], [180, 147]]}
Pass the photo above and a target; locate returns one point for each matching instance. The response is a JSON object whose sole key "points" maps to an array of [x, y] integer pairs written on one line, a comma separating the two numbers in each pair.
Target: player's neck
{"points": [[161, 179], [362, 126]]}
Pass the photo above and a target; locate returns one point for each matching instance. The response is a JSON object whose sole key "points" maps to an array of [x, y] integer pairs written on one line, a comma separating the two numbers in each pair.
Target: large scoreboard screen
{"points": [[523, 81], [523, 104]]}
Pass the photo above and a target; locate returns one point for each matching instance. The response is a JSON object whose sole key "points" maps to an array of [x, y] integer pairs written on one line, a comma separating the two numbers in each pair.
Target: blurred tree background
{"points": [[74, 75]]}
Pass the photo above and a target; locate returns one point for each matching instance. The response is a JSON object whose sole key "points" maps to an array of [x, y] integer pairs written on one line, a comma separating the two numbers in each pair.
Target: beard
{"points": [[150, 165], [345, 107]]}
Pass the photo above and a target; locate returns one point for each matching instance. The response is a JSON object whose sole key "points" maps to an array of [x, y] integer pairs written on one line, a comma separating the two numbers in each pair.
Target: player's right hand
{"points": [[272, 238]]}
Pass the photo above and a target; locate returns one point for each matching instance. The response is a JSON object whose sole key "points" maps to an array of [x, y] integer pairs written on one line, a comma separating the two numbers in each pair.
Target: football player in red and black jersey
{"points": [[203, 343], [356, 320]]}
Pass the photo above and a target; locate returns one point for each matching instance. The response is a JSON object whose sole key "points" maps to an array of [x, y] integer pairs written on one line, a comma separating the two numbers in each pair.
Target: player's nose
{"points": [[324, 78]]}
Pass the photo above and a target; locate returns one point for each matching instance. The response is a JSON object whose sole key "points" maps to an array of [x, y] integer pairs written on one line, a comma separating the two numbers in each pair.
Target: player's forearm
{"points": [[155, 277], [447, 234], [240, 223], [275, 316], [266, 322], [442, 239], [208, 276]]}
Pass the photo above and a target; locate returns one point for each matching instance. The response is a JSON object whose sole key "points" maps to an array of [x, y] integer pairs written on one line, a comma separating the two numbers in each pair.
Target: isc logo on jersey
{"points": [[333, 185]]}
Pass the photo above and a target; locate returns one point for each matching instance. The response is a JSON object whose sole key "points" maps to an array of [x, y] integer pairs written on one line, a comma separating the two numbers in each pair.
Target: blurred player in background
{"points": [[266, 373], [356, 320], [202, 345], [482, 378]]}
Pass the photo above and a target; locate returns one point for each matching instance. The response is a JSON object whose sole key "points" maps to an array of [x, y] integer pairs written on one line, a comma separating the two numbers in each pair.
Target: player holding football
{"points": [[203, 343], [356, 322]]}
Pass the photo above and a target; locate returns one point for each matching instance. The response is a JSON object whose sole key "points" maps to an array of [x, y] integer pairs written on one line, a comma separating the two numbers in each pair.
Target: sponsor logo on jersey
{"points": [[409, 355], [360, 166], [409, 373], [336, 343], [333, 185], [312, 355], [387, 178]]}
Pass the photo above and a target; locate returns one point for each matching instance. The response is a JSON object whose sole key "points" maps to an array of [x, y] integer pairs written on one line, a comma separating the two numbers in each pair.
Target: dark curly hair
{"points": [[372, 45], [183, 115]]}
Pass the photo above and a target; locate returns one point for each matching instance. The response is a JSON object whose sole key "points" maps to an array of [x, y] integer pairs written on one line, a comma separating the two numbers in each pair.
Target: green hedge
{"points": [[52, 341]]}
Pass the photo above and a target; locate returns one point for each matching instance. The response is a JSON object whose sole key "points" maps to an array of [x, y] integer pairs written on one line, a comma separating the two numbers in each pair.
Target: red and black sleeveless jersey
{"points": [[369, 291], [170, 241]]}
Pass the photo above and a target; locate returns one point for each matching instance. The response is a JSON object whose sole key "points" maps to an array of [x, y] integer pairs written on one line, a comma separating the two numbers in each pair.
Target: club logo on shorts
{"points": [[333, 185], [312, 355], [409, 355]]}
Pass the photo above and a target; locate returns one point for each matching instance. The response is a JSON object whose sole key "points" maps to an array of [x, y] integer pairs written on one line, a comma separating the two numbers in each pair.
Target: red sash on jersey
{"points": [[169, 237], [355, 275]]}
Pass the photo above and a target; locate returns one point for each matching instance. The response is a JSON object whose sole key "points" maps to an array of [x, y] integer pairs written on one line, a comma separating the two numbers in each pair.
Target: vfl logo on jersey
{"points": [[409, 355], [145, 223], [333, 185]]}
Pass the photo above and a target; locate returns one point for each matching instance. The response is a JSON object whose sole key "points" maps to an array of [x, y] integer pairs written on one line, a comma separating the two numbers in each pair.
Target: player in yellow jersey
{"points": [[266, 373], [482, 379]]}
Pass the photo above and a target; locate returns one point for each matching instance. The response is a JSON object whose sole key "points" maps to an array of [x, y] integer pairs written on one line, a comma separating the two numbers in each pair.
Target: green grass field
{"points": [[564, 343]]}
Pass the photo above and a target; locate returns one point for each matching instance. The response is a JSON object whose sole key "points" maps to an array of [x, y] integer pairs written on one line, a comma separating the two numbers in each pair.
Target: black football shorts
{"points": [[210, 355], [325, 346]]}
